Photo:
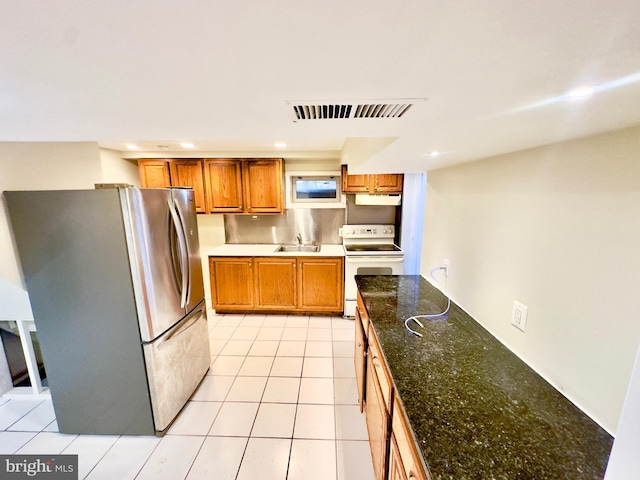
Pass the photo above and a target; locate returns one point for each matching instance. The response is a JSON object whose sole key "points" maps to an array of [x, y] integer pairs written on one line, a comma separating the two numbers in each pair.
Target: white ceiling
{"points": [[220, 73]]}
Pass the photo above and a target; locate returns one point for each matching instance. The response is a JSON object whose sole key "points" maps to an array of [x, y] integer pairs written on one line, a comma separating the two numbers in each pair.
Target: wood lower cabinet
{"points": [[396, 469], [231, 282], [275, 283], [393, 449], [284, 283], [372, 183], [402, 440], [154, 173], [360, 359], [377, 418], [188, 173], [320, 284]]}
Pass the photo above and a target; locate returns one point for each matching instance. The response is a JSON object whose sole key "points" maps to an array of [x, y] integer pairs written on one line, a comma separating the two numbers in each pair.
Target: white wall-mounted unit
{"points": [[314, 189]]}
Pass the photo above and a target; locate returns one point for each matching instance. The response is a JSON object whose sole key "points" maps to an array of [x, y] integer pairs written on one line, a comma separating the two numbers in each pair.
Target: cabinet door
{"points": [[321, 284], [223, 180], [275, 283], [377, 425], [360, 359], [376, 362], [154, 173], [231, 283], [188, 173], [354, 183], [396, 469], [387, 183], [263, 192], [406, 450]]}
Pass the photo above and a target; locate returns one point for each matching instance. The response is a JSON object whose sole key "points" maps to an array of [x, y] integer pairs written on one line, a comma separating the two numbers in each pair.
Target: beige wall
{"points": [[117, 170], [556, 228], [35, 166]]}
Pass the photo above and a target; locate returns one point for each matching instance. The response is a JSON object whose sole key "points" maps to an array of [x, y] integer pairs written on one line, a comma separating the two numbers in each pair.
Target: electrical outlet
{"points": [[447, 267], [519, 315]]}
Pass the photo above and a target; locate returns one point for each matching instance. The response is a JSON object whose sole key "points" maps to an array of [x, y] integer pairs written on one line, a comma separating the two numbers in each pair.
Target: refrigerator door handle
{"points": [[184, 259], [187, 253]]}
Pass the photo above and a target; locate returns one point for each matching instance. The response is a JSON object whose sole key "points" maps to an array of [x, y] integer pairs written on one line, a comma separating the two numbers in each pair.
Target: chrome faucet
{"points": [[299, 238]]}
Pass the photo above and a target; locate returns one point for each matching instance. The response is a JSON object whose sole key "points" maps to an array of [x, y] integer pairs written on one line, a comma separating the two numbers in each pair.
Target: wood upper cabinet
{"points": [[354, 183], [263, 188], [275, 282], [221, 185], [154, 173], [252, 186], [223, 178], [320, 283], [231, 282], [188, 173], [387, 183], [372, 183]]}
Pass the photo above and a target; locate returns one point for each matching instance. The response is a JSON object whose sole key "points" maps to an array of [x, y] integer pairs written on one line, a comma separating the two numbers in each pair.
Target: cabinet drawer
{"points": [[363, 314], [409, 456], [376, 362]]}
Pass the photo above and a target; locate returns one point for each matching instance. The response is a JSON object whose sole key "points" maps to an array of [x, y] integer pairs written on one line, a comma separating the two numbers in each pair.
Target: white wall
{"points": [[35, 166], [556, 228], [117, 170], [211, 235]]}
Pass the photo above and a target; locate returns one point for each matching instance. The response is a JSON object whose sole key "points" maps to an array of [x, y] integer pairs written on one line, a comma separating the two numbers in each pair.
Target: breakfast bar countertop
{"points": [[477, 411]]}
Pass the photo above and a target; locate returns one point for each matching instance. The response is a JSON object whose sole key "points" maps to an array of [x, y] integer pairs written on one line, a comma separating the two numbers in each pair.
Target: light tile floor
{"points": [[278, 403]]}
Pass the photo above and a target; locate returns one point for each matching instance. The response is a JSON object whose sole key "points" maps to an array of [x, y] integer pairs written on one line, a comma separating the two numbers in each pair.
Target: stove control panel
{"points": [[368, 231]]}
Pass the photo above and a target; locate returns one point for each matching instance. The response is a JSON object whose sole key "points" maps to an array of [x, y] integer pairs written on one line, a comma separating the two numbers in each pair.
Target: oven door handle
{"points": [[368, 259]]}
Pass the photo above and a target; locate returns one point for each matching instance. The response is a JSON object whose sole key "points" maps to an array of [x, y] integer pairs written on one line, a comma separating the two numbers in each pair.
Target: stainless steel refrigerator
{"points": [[115, 283]]}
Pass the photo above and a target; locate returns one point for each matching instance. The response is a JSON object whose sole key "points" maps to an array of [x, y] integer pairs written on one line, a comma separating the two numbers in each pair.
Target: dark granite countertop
{"points": [[477, 411]]}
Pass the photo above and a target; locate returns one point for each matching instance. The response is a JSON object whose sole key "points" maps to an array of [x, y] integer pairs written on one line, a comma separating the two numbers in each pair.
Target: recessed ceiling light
{"points": [[187, 145], [131, 146], [280, 145], [580, 92], [434, 154]]}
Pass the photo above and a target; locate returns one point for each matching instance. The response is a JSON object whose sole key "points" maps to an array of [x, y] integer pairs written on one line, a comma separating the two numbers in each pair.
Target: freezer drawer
{"points": [[176, 363]]}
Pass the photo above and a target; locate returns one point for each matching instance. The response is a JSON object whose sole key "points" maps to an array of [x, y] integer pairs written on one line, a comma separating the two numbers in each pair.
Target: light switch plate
{"points": [[519, 315]]}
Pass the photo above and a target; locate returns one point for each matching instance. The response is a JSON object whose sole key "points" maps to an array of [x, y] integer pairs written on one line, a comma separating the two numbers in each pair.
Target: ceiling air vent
{"points": [[346, 110]]}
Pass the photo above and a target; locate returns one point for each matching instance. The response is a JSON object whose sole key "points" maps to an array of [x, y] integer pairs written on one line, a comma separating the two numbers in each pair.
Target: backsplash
{"points": [[313, 224]]}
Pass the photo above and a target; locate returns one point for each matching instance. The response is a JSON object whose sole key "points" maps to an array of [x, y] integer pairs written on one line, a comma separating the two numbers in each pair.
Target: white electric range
{"points": [[368, 250]]}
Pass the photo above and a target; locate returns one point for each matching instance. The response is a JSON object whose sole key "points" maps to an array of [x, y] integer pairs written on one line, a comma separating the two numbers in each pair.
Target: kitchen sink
{"points": [[298, 248]]}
